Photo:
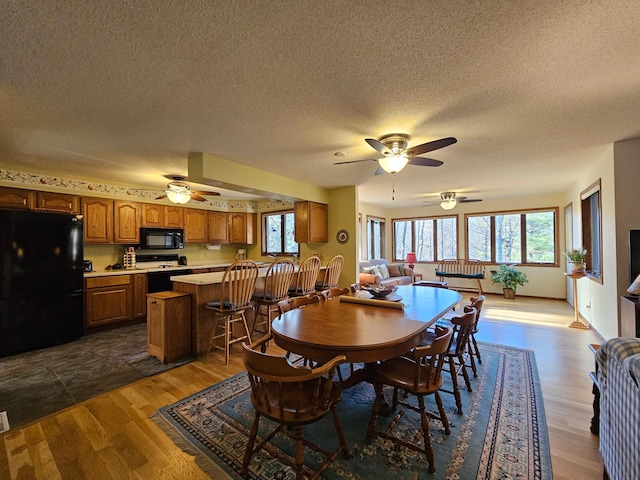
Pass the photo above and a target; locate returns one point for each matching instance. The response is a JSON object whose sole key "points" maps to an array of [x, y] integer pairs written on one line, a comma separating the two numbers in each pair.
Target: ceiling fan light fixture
{"points": [[393, 163], [448, 204], [178, 193]]}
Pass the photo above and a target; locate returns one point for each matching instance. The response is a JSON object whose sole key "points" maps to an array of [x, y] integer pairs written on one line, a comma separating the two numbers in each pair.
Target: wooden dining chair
{"points": [[276, 288], [306, 277], [291, 396], [419, 376], [331, 273], [458, 352], [297, 302], [237, 287], [334, 292]]}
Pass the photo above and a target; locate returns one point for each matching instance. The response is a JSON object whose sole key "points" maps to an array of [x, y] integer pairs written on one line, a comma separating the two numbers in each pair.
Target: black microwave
{"points": [[161, 238]]}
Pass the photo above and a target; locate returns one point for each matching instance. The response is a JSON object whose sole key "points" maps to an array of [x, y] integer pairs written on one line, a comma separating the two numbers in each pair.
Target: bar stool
{"points": [[331, 274], [238, 285], [306, 277], [276, 288]]}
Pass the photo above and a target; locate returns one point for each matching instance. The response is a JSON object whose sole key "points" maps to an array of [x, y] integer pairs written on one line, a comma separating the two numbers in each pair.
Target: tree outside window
{"points": [[431, 238], [278, 234]]}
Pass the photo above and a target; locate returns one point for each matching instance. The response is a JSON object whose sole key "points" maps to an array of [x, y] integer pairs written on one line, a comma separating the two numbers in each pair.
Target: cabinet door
{"points": [[218, 223], [152, 215], [57, 202], [195, 225], [318, 226], [108, 304], [16, 198], [173, 217], [252, 228], [139, 295], [237, 228], [126, 225], [98, 220]]}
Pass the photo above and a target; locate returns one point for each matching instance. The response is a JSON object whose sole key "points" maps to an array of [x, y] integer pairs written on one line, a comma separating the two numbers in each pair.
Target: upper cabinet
{"points": [[242, 228], [162, 216], [218, 225], [110, 221], [195, 226], [57, 202], [16, 198], [311, 222], [45, 201]]}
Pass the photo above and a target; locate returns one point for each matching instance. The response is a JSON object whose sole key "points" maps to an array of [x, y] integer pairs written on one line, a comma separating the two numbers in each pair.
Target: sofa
{"points": [[379, 271], [618, 363]]}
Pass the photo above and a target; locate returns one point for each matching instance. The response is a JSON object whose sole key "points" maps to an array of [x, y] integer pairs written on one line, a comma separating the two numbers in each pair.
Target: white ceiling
{"points": [[124, 91]]}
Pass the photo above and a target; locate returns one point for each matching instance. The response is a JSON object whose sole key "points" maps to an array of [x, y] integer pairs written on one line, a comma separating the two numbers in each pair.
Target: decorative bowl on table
{"points": [[380, 291]]}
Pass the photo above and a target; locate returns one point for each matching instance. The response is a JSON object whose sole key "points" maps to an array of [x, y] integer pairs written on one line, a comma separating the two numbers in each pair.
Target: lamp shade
{"points": [[393, 163], [177, 197], [411, 259]]}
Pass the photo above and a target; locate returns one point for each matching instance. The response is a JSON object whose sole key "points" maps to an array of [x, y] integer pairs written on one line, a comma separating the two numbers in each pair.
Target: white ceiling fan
{"points": [[448, 200], [178, 191]]}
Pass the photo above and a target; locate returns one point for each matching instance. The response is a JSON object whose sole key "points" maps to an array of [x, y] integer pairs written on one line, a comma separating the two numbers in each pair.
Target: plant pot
{"points": [[509, 293], [577, 267]]}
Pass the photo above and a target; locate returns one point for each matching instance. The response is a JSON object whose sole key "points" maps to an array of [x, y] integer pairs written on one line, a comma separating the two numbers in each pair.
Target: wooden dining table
{"points": [[360, 332]]}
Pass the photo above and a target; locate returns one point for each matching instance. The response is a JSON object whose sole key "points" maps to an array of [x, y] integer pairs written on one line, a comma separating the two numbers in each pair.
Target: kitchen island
{"points": [[206, 287]]}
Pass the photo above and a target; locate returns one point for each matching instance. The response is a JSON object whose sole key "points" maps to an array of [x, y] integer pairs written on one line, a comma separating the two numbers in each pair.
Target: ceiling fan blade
{"points": [[161, 196], [468, 200], [379, 146], [425, 162], [356, 161], [430, 146], [204, 192], [430, 204], [379, 171], [198, 198]]}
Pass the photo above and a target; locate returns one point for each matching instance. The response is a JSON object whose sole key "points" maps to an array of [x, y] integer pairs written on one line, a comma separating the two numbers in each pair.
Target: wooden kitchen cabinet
{"points": [[311, 222], [169, 325], [98, 219], [57, 202], [108, 299], [139, 295], [162, 216], [195, 225], [218, 226], [242, 228], [16, 198], [126, 222]]}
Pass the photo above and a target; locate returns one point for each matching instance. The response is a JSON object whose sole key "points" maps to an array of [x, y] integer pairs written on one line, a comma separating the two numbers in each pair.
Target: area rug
{"points": [[37, 383], [502, 433]]}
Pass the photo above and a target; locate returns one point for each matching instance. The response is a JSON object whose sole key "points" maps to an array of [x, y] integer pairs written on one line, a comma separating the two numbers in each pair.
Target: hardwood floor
{"points": [[112, 437]]}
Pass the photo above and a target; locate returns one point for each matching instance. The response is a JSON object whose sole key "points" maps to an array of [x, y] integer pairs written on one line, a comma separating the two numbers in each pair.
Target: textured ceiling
{"points": [[123, 91]]}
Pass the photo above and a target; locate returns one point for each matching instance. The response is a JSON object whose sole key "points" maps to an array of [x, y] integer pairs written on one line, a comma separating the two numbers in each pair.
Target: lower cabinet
{"points": [[169, 325], [115, 298], [108, 299]]}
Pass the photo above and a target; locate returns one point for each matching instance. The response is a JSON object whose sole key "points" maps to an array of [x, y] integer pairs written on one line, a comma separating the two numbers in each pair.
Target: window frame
{"points": [[264, 232], [434, 218], [523, 234], [588, 234], [371, 219]]}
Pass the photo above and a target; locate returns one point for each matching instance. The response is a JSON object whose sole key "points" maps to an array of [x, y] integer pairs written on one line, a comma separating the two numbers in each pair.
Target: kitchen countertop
{"points": [[131, 271]]}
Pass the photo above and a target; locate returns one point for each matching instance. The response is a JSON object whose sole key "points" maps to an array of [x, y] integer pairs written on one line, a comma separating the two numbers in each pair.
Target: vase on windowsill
{"points": [[577, 267]]}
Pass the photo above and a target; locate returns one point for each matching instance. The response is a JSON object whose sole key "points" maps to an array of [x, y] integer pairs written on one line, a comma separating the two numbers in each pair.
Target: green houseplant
{"points": [[510, 277], [576, 259]]}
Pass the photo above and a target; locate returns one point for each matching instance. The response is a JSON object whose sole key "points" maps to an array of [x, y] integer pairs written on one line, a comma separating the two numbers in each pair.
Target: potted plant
{"points": [[576, 259], [510, 277]]}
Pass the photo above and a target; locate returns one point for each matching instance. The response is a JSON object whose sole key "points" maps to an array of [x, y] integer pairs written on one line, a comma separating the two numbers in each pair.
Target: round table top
{"points": [[363, 333]]}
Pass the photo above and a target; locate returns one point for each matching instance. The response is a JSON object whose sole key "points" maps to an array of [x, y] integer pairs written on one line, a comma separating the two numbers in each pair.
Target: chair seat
{"points": [[262, 296], [399, 372], [217, 306]]}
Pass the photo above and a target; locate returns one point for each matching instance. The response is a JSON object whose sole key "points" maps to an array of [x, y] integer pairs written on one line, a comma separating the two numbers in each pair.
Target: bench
{"points": [[462, 268]]}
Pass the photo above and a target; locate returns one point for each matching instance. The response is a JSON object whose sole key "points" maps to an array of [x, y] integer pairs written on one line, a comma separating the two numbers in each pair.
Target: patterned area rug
{"points": [[502, 433]]}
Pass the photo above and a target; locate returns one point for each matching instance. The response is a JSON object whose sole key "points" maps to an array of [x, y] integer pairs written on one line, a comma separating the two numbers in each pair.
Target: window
{"points": [[591, 207], [527, 237], [277, 234], [376, 236], [431, 238]]}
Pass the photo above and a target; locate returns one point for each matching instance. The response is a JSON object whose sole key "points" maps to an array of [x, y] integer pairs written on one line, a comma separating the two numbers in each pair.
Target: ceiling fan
{"points": [[449, 200], [178, 191], [397, 155]]}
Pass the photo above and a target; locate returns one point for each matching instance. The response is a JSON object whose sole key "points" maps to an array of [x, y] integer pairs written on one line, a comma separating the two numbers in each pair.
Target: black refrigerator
{"points": [[41, 280]]}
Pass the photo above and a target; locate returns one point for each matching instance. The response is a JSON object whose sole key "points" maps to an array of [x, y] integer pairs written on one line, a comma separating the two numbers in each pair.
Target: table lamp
{"points": [[411, 259]]}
